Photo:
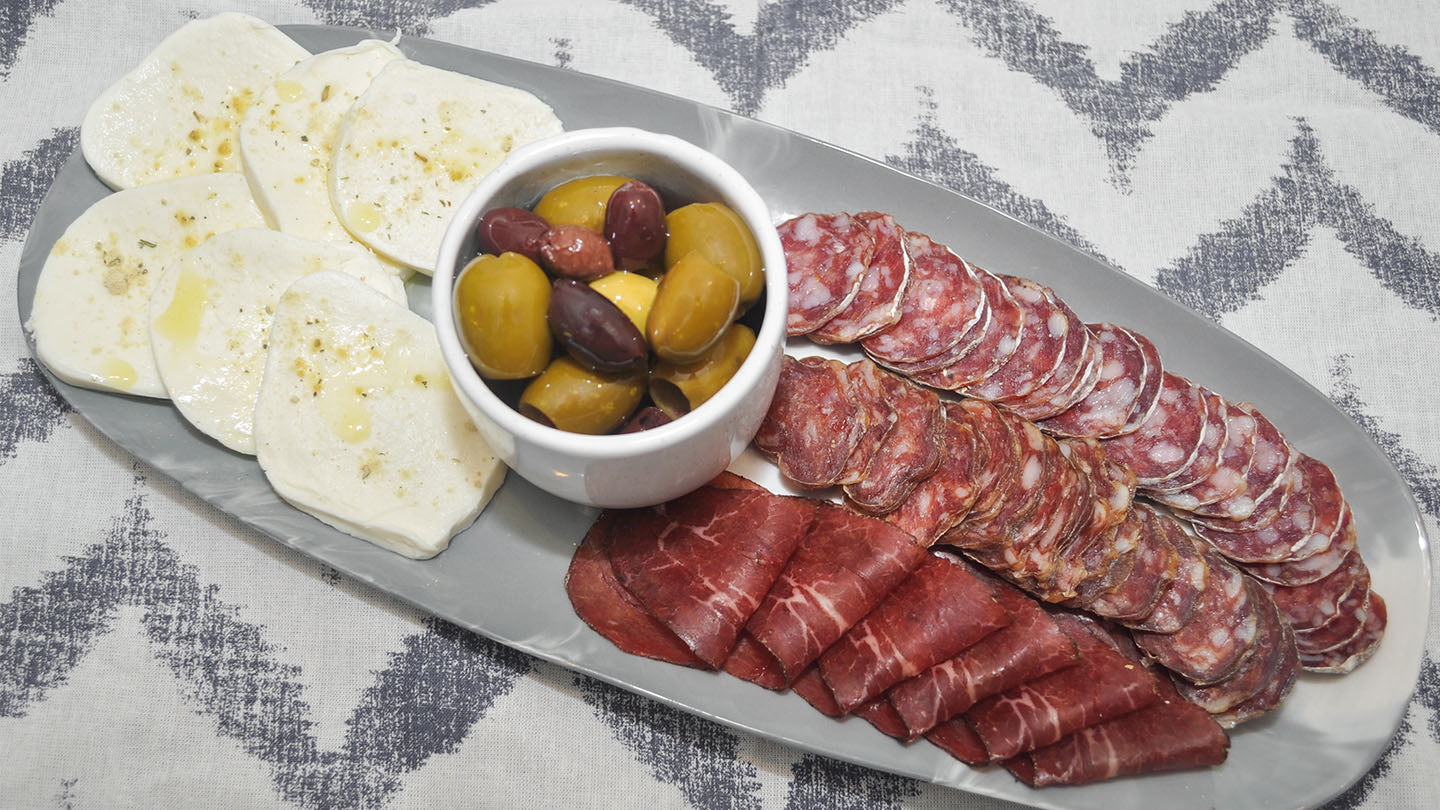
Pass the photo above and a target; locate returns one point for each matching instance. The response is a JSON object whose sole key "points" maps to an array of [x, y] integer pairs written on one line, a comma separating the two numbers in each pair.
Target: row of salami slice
{"points": [[1053, 516], [949, 325], [859, 617]]}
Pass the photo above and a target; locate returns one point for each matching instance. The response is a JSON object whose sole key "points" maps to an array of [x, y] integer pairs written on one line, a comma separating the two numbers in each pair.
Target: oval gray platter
{"points": [[502, 577]]}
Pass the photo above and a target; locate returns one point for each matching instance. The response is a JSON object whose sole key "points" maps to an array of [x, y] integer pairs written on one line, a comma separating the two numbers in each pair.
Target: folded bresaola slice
{"points": [[702, 563], [956, 738], [842, 569], [1103, 686], [939, 610], [750, 661], [1030, 646]]}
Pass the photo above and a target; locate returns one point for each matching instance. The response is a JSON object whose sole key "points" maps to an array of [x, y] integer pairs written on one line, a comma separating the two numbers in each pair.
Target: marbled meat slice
{"points": [[942, 500], [813, 689], [842, 569], [1107, 560], [877, 302], [1078, 366], [1003, 455], [1257, 503], [956, 738], [1021, 495], [1315, 567], [942, 301], [1207, 457], [1221, 629], [1157, 563], [1150, 384], [1002, 336], [750, 661], [1254, 672], [880, 714], [1305, 526], [1041, 344], [1169, 440], [1277, 687], [603, 603], [1306, 607], [1171, 734], [1228, 478], [1105, 409], [867, 387], [703, 562], [943, 607], [1104, 685], [1341, 629], [814, 421], [1030, 646], [826, 256], [1346, 658], [1032, 554], [911, 452], [1177, 602]]}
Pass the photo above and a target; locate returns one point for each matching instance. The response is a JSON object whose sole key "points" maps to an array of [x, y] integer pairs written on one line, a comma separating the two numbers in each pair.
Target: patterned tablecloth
{"points": [[1274, 164]]}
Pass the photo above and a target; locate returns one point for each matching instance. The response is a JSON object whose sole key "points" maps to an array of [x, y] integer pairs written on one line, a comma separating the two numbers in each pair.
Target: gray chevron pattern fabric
{"points": [[1273, 164]]}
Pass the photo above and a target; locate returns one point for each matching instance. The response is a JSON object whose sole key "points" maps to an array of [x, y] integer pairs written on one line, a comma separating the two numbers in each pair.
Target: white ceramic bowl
{"points": [[635, 469]]}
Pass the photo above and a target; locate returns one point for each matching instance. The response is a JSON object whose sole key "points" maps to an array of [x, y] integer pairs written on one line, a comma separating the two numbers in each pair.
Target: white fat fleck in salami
{"points": [[1040, 347], [995, 346], [1170, 439], [826, 256], [942, 301], [877, 302], [1150, 385], [813, 422], [1106, 408]]}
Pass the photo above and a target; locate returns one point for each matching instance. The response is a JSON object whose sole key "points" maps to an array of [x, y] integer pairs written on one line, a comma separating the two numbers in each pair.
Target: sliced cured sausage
{"points": [[1221, 630], [942, 500], [1341, 629], [877, 302], [1041, 344], [1228, 478], [1025, 491], [1347, 657], [1004, 456], [1315, 567], [813, 423], [1106, 408], [1157, 562], [1177, 601], [1107, 560], [1150, 384], [1277, 687], [1207, 457], [1306, 607], [943, 607], [867, 388], [910, 453], [1169, 440], [1258, 503], [826, 256], [1077, 368], [1305, 526], [1254, 672], [942, 302], [996, 345]]}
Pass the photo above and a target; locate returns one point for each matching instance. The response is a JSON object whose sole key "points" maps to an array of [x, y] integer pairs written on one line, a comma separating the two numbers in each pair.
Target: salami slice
{"points": [[1107, 560], [1228, 478], [995, 347], [877, 303], [1041, 344], [943, 300], [1034, 550], [1254, 506], [1207, 457], [1306, 607], [1220, 632], [943, 607], [1025, 491], [1157, 563], [867, 387], [1305, 526], [1004, 456], [1346, 658], [841, 570], [1315, 567], [1032, 645], [1106, 408], [1254, 672], [1341, 629], [942, 500], [702, 563], [1277, 687], [1169, 440], [910, 453], [1150, 384], [826, 256], [1078, 366], [813, 423], [1177, 602], [1102, 686]]}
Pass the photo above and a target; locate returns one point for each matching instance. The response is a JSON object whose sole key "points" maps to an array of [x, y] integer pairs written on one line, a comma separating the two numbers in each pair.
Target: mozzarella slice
{"points": [[357, 424], [210, 320], [91, 318], [414, 144], [178, 112], [287, 136]]}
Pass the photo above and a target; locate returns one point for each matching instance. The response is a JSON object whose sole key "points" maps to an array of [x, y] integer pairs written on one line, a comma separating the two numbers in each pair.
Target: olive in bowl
{"points": [[653, 452]]}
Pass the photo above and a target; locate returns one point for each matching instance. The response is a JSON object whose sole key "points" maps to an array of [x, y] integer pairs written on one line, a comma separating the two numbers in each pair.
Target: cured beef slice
{"points": [[1102, 686], [1041, 343], [941, 501], [942, 302], [603, 603], [1221, 630], [841, 570], [880, 714], [943, 607], [1104, 411], [909, 453], [702, 563], [956, 738], [877, 302], [1170, 439], [995, 346], [1030, 646], [750, 661], [814, 690], [826, 256], [1171, 734], [813, 423]]}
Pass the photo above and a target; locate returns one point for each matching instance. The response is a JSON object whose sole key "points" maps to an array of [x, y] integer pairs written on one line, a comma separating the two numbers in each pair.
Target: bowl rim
{"points": [[742, 197]]}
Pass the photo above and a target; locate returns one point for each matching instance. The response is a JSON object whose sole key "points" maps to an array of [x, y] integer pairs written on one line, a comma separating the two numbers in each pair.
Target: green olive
{"points": [[717, 233], [679, 388], [633, 293], [580, 201], [694, 304], [500, 304], [571, 397]]}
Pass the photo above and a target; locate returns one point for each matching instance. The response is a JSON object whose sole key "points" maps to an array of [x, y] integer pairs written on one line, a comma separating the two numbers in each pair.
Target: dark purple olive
{"points": [[574, 251], [596, 333], [514, 230], [635, 222], [645, 419]]}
